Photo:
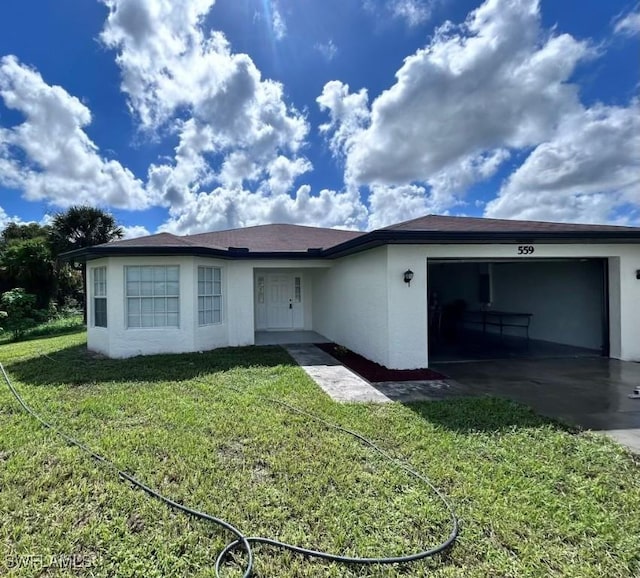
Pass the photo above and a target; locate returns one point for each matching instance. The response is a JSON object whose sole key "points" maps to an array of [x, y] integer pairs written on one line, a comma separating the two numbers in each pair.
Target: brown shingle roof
{"points": [[158, 240], [272, 241], [273, 238], [441, 223]]}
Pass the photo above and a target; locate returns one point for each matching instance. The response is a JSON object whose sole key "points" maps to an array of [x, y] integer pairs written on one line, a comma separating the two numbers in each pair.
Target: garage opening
{"points": [[495, 309]]}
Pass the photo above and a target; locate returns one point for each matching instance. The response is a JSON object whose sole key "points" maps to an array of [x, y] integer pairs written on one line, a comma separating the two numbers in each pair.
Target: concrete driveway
{"points": [[589, 392]]}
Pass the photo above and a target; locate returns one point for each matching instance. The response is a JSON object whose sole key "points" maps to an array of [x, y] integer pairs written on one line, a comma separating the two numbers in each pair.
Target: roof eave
{"points": [[101, 251], [394, 237], [363, 243]]}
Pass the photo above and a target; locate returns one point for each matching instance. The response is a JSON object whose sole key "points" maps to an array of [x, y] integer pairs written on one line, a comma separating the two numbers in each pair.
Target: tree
{"points": [[83, 226], [22, 232], [18, 311], [28, 263]]}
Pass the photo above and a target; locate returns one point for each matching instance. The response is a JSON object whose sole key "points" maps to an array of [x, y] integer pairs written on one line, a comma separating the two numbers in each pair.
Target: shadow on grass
{"points": [[76, 365], [481, 414]]}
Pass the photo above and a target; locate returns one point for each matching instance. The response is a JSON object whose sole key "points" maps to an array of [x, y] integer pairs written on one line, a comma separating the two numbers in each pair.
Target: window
{"points": [[100, 297], [153, 296], [209, 295], [260, 289], [297, 289]]}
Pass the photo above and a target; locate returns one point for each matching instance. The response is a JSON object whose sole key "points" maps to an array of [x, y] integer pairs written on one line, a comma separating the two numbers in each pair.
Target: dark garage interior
{"points": [[497, 309]]}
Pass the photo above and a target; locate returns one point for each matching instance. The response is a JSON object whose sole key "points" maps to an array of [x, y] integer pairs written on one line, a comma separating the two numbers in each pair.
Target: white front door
{"points": [[279, 301]]}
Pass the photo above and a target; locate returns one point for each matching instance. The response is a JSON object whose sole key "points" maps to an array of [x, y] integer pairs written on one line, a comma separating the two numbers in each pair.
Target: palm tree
{"points": [[83, 226]]}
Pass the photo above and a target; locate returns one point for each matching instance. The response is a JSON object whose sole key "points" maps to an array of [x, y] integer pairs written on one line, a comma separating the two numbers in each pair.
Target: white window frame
{"points": [[99, 286], [152, 296], [209, 290]]}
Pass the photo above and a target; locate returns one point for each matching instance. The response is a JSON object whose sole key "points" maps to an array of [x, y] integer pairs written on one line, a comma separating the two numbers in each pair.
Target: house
{"points": [[375, 292]]}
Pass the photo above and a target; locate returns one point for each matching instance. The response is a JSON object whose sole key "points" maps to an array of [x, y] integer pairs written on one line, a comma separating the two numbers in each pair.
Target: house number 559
{"points": [[525, 249]]}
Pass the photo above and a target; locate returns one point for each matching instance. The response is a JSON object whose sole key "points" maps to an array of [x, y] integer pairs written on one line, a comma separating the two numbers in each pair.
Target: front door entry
{"points": [[279, 301]]}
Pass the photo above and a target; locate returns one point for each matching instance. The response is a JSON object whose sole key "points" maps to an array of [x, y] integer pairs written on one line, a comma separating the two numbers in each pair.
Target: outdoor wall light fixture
{"points": [[637, 274], [408, 275]]}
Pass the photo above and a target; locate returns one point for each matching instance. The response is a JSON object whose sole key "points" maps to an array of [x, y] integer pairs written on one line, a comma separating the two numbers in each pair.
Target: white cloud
{"points": [[496, 82], [230, 208], [413, 12], [134, 232], [391, 204], [348, 112], [278, 23], [5, 219], [629, 25], [327, 49], [590, 168], [48, 155], [283, 172], [172, 67]]}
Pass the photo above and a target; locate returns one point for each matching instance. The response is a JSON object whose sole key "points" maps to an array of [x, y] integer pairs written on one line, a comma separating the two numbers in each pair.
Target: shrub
{"points": [[19, 311]]}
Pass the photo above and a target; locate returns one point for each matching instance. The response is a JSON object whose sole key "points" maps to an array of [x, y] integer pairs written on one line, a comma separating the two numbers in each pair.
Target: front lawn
{"points": [[533, 498]]}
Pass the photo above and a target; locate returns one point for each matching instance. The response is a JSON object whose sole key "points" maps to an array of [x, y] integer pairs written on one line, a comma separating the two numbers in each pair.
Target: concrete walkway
{"points": [[342, 384], [334, 378]]}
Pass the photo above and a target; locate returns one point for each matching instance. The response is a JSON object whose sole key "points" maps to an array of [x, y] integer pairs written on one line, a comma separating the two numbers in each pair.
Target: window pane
{"points": [[216, 275], [146, 273], [146, 288], [159, 288], [133, 273], [134, 306], [133, 321], [133, 288], [217, 316], [147, 305], [208, 315], [200, 317], [159, 305], [173, 274], [172, 319], [147, 320], [160, 320], [172, 304], [159, 274], [100, 312], [200, 287], [217, 288], [173, 288]]}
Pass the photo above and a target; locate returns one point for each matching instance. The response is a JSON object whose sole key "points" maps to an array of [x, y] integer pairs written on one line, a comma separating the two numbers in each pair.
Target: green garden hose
{"points": [[243, 541]]}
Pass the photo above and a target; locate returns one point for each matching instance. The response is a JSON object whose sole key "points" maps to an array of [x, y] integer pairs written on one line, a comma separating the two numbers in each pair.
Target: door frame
{"points": [[261, 299]]}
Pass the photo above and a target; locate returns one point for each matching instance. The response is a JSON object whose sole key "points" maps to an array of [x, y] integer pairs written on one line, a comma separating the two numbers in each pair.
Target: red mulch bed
{"points": [[375, 372]]}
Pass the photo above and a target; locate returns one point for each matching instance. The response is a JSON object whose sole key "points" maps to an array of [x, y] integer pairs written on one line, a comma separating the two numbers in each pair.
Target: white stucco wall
{"points": [[237, 326], [406, 310], [128, 342], [98, 337], [629, 306], [350, 304]]}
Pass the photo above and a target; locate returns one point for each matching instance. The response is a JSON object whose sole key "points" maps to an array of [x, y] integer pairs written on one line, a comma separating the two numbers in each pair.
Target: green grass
{"points": [[58, 326], [534, 498]]}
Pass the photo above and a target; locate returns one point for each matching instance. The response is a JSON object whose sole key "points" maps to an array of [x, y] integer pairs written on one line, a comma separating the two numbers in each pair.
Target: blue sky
{"points": [[188, 116]]}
